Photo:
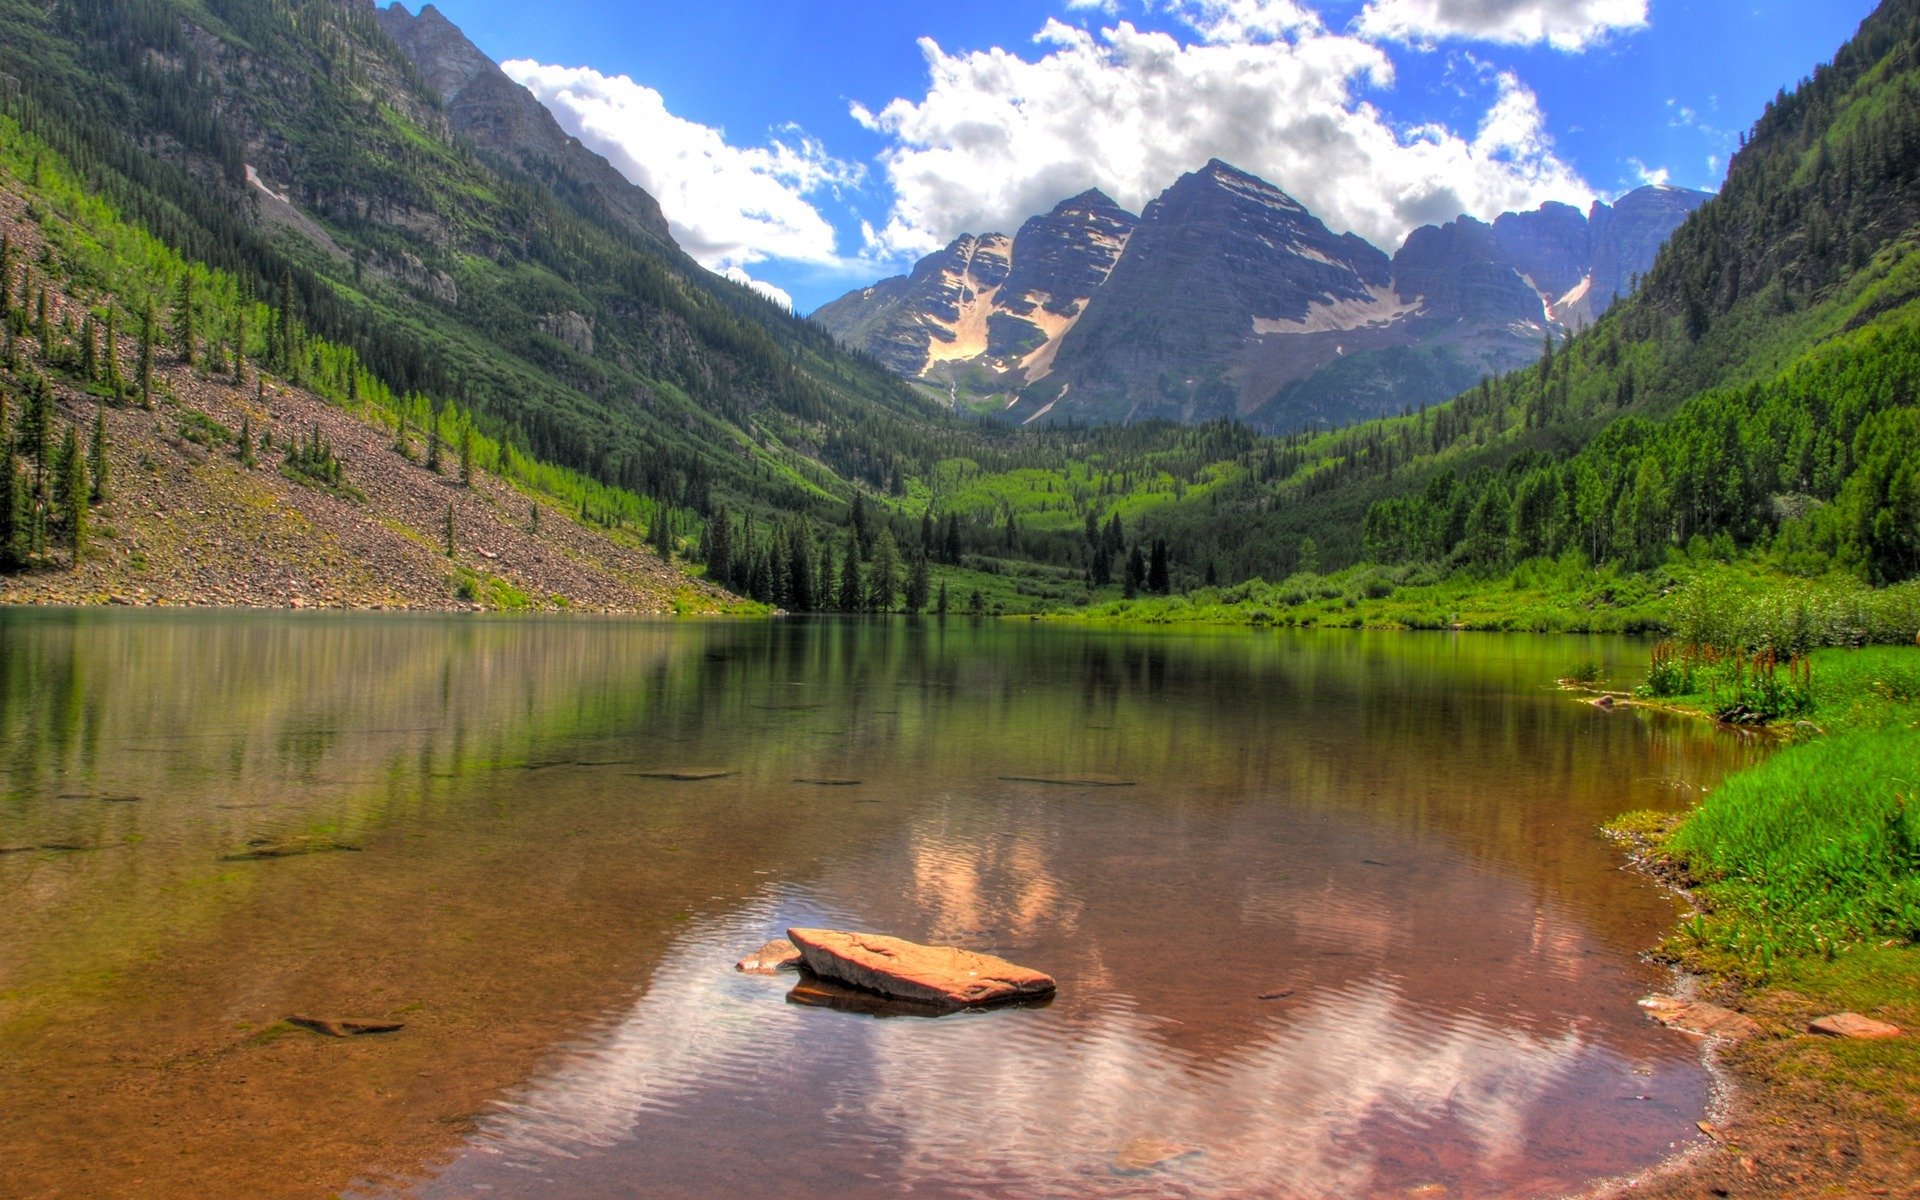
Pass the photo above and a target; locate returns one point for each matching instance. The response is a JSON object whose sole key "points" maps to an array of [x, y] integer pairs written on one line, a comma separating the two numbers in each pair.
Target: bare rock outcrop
{"points": [[909, 971]]}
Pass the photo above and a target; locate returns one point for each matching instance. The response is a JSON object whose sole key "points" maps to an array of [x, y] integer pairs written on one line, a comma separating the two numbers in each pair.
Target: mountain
{"points": [[990, 308], [500, 116], [1227, 298]]}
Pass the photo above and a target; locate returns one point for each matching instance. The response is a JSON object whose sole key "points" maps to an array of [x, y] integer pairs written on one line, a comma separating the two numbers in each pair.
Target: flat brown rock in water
{"points": [[341, 1027], [931, 974], [1698, 1017], [777, 955], [1853, 1025]]}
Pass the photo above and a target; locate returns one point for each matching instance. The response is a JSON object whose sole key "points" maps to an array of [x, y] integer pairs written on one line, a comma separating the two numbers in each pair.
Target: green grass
{"points": [[1814, 850]]}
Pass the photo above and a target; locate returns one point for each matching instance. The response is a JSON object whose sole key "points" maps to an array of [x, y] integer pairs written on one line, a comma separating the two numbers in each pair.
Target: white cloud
{"points": [[1570, 25], [777, 295], [729, 206], [1261, 84], [1657, 176]]}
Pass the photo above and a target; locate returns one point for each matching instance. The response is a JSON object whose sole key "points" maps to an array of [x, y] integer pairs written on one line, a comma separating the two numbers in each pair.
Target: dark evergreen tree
{"points": [[717, 546], [97, 457], [1157, 580], [148, 333], [883, 576], [918, 583], [183, 325], [853, 588]]}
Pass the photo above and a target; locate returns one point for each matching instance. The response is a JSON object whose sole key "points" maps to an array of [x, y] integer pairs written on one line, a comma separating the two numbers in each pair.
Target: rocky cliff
{"points": [[991, 309]]}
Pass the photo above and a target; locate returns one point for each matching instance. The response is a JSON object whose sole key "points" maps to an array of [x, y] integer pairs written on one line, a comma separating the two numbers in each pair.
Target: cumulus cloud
{"points": [[1570, 25], [729, 206], [1259, 83], [770, 291]]}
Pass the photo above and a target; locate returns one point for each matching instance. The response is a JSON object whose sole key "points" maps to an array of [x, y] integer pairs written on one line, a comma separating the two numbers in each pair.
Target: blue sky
{"points": [[817, 147]]}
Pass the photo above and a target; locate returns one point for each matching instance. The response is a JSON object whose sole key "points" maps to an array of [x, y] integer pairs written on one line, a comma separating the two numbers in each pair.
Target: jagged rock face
{"points": [[499, 115], [1628, 235], [1549, 247], [1457, 272], [1224, 269], [990, 302], [1228, 298]]}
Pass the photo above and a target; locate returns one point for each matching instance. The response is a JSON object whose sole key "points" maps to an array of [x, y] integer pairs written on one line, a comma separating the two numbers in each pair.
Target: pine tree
{"points": [[853, 592], [433, 440], [466, 456], [114, 380], [1136, 573], [918, 584], [89, 350], [70, 493], [883, 577], [13, 489], [147, 334], [97, 457], [661, 531], [36, 431], [717, 546], [240, 348], [858, 520], [245, 449], [533, 518], [826, 576], [940, 605], [1157, 581], [183, 331], [6, 278], [449, 529], [283, 348], [802, 595]]}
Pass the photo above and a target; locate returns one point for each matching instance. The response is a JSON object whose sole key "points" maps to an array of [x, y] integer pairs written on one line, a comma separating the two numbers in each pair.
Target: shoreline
{"points": [[1763, 1138]]}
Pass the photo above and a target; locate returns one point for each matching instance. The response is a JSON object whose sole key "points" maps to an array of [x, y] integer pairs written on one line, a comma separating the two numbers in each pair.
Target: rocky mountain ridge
{"points": [[500, 116], [1227, 298]]}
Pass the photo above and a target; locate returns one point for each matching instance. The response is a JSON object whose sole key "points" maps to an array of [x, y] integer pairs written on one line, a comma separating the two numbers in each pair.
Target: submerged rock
{"points": [[341, 1027], [909, 971], [1103, 781], [1698, 1017], [831, 782], [1144, 1154], [685, 774], [777, 955], [814, 992], [1853, 1025], [290, 847]]}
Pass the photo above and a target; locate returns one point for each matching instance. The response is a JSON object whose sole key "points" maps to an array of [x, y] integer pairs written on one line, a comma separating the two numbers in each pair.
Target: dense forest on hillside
{"points": [[1754, 396]]}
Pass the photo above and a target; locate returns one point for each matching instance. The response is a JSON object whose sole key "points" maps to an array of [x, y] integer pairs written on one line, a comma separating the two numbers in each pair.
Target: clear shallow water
{"points": [[1388, 837]]}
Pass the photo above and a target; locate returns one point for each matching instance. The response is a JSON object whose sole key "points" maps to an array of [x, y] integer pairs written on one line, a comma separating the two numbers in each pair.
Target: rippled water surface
{"points": [[1346, 931]]}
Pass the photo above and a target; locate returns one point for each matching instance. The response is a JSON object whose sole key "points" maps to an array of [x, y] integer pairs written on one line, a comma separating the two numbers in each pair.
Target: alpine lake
{"points": [[1330, 912]]}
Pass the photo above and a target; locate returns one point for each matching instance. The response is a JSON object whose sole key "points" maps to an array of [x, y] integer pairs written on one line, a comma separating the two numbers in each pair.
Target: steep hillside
{"points": [[425, 216], [156, 467]]}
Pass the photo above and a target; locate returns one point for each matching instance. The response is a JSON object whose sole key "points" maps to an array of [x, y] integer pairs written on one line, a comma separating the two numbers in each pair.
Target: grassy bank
{"points": [[1805, 871], [1700, 600]]}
